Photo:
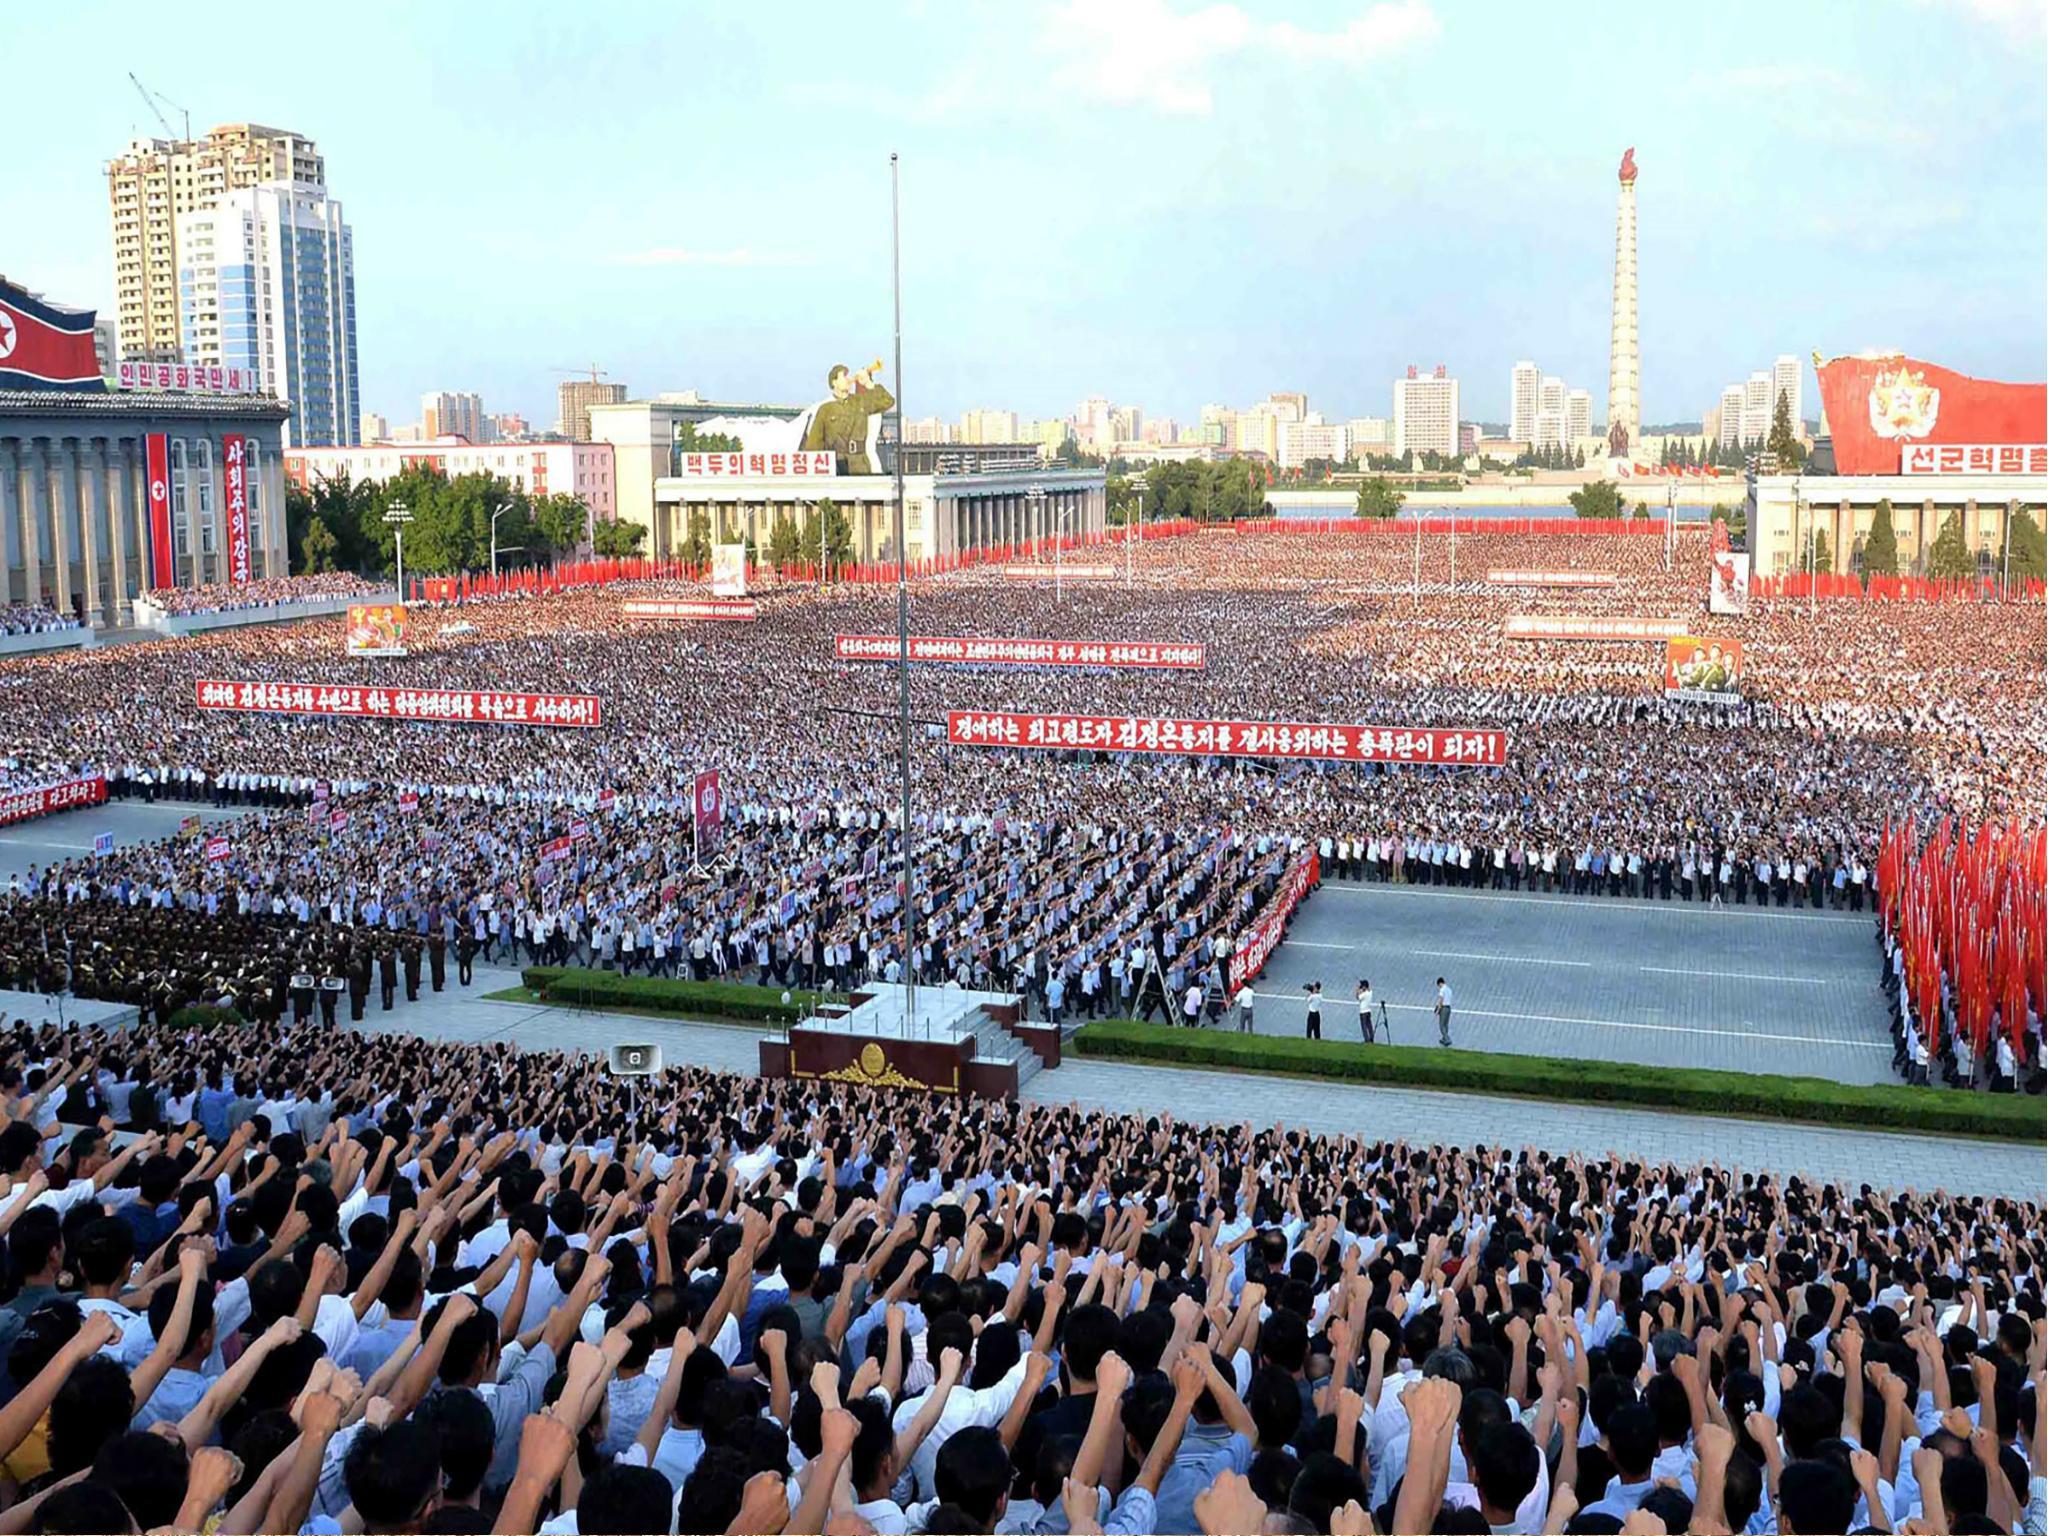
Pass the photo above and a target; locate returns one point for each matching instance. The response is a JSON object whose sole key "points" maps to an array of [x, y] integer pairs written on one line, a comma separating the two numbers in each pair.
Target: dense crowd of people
{"points": [[34, 619], [287, 1278], [1076, 875], [264, 592]]}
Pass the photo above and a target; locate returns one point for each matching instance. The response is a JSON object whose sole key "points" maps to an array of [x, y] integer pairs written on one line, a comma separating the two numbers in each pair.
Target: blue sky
{"points": [[1161, 201]]}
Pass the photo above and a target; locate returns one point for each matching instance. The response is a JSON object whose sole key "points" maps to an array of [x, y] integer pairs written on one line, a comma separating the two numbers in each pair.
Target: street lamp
{"points": [[494, 536], [1812, 599], [1035, 500], [397, 515]]}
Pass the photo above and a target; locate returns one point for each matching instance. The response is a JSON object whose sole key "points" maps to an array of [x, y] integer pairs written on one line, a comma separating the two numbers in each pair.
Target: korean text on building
{"points": [[201, 378], [1022, 653], [739, 466], [1973, 459], [574, 711], [1228, 738]]}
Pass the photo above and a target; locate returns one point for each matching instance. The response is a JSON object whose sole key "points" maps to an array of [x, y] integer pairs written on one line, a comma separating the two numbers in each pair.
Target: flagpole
{"points": [[903, 608]]}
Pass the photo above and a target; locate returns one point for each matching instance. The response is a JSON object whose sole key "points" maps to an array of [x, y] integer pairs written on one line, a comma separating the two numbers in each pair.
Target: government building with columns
{"points": [[74, 493]]}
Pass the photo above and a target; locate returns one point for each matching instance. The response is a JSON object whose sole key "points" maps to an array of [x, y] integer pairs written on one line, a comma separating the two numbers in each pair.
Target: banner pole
{"points": [[903, 606]]}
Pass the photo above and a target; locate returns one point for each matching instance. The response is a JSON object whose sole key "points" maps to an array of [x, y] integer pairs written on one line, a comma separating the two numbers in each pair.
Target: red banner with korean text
{"points": [[163, 563], [235, 502], [662, 608], [1882, 410], [1057, 571], [47, 799], [1550, 578], [1587, 626], [1228, 738], [1022, 653], [1263, 937], [458, 706]]}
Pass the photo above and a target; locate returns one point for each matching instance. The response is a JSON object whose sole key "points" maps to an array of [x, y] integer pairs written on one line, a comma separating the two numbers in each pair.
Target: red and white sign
{"points": [[1060, 572], [579, 831], [1974, 459], [156, 457], [1259, 942], [555, 848], [337, 821], [458, 706], [47, 799], [1021, 653], [607, 798], [1228, 738], [1878, 406], [198, 378], [217, 848], [235, 502], [408, 802], [707, 805], [664, 608], [1587, 626], [1550, 578], [728, 466]]}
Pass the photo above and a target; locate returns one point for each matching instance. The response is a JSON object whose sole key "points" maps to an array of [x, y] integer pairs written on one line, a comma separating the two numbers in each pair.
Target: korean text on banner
{"points": [[1257, 945], [235, 502], [1022, 653], [1229, 738], [47, 799], [570, 711]]}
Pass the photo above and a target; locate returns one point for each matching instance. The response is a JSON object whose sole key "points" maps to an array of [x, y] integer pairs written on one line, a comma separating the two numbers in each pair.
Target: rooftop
{"points": [[138, 402]]}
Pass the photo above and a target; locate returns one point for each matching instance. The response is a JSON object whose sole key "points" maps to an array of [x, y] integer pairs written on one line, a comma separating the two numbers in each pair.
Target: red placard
{"points": [[217, 848], [455, 706], [1587, 626], [707, 801], [1877, 407], [1228, 738], [1023, 653], [409, 802], [743, 611], [47, 799], [1060, 572], [1256, 947], [235, 500], [163, 565], [1550, 578]]}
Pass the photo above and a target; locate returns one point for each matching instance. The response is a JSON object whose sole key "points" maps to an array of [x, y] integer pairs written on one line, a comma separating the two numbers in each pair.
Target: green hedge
{"points": [[685, 999], [202, 1015], [1810, 1100]]}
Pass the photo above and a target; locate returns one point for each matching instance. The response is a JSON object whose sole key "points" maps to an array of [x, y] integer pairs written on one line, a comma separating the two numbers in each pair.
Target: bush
{"points": [[1807, 1100], [203, 1016], [684, 999]]}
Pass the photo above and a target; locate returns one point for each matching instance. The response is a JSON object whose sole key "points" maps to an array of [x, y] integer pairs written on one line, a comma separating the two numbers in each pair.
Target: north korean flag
{"points": [[45, 347]]}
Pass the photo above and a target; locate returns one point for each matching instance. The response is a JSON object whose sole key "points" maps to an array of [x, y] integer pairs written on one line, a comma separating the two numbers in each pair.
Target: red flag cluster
{"points": [[1893, 589], [1969, 905]]}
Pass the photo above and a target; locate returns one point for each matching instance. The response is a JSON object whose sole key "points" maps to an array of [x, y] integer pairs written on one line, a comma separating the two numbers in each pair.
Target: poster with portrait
{"points": [[728, 570], [1728, 574], [376, 629], [1703, 669]]}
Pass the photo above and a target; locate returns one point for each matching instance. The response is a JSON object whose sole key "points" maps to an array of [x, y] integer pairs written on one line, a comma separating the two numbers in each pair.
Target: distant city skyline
{"points": [[1877, 188]]}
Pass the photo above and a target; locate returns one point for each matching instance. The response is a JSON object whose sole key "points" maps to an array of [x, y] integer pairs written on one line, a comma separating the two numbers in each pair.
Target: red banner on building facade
{"points": [[1022, 653], [1587, 626], [1880, 407], [1257, 946], [163, 563], [662, 608], [1228, 738], [457, 706], [47, 799], [235, 502]]}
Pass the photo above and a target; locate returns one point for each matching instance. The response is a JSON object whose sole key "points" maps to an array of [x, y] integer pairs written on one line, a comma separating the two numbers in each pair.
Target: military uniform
{"points": [[842, 427]]}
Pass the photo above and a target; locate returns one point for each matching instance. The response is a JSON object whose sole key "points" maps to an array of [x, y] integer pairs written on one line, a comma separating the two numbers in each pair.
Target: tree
{"points": [[782, 541], [1949, 558], [1823, 555], [1122, 494], [615, 538], [1597, 498], [1881, 544], [2024, 555], [560, 521], [690, 440], [1378, 497], [836, 535], [696, 545], [1642, 509], [317, 549], [1784, 441]]}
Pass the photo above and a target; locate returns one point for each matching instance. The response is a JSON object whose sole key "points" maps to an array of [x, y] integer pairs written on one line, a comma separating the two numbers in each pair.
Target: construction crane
{"points": [[593, 370], [151, 98]]}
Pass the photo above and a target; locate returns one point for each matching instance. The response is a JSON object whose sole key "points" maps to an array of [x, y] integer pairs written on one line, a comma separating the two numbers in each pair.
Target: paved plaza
{"points": [[1668, 983], [52, 839]]}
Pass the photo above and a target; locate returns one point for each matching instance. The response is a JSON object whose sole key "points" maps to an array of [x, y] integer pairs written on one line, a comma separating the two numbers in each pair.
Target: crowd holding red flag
{"points": [[1965, 926]]}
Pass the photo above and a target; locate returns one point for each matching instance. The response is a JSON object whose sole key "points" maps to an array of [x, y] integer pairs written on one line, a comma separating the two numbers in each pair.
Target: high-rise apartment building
{"points": [[988, 426], [510, 427], [266, 279], [1756, 407], [575, 397], [1785, 380], [1548, 430], [449, 414], [1313, 438], [1550, 394], [1426, 412], [1370, 434], [155, 181], [1578, 414], [927, 429], [375, 429], [1523, 384], [1730, 434]]}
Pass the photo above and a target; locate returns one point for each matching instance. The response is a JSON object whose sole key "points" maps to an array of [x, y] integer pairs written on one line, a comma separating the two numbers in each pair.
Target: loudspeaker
{"points": [[635, 1060]]}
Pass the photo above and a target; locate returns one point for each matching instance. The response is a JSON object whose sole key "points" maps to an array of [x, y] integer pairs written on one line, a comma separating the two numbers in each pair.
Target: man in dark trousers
{"points": [[465, 956], [437, 959], [358, 981], [387, 974], [409, 955], [1443, 1011], [1313, 1030]]}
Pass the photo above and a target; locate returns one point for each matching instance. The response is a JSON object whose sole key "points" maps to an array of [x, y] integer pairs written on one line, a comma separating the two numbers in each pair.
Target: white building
{"points": [[1370, 434], [583, 470], [266, 280], [1550, 394], [1426, 412], [1091, 423], [1757, 400], [987, 426], [1578, 414], [447, 413], [1731, 417], [1550, 430], [375, 428], [1314, 438], [1523, 385], [1785, 380], [927, 429]]}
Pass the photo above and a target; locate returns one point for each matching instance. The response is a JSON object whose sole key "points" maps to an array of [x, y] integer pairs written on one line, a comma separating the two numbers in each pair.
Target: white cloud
{"points": [[1148, 53], [2021, 20], [683, 256]]}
